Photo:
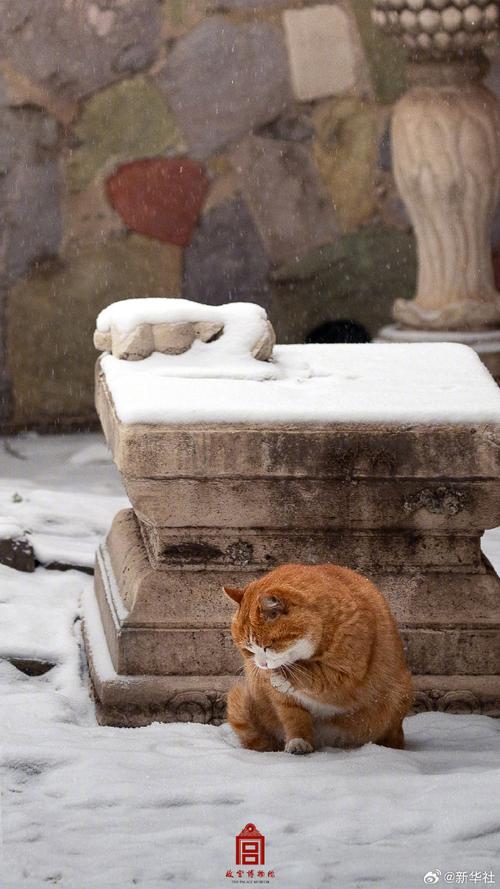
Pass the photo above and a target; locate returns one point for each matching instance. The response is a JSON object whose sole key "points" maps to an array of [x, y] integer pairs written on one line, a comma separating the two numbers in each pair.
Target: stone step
{"points": [[173, 622], [255, 550], [185, 598], [405, 504]]}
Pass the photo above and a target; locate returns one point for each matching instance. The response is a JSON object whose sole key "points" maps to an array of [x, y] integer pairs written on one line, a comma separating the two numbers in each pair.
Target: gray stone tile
{"points": [[224, 79], [226, 260], [289, 202], [77, 48], [30, 189]]}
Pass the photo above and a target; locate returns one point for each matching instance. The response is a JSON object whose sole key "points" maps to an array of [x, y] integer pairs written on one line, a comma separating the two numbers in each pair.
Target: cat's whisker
{"points": [[296, 671], [291, 673]]}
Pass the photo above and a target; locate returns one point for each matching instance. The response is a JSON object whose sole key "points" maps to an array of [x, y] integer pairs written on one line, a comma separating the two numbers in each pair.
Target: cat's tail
{"points": [[242, 717]]}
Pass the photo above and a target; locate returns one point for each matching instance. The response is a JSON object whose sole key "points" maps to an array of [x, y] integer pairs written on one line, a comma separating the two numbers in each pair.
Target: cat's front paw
{"points": [[298, 746], [279, 682]]}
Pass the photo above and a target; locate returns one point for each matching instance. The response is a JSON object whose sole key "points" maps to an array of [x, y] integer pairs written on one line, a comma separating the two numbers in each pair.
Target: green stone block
{"points": [[51, 319], [385, 57], [127, 121], [357, 278], [346, 152]]}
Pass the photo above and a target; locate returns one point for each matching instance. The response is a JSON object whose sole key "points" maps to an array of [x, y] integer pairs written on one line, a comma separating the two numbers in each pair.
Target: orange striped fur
{"points": [[323, 662]]}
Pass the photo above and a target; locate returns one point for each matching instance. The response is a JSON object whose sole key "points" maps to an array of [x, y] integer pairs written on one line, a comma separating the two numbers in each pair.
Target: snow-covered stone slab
{"points": [[362, 383], [59, 529], [37, 615]]}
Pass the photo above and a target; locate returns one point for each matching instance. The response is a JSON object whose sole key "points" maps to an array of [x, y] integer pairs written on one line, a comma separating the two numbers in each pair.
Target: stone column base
{"points": [[132, 701], [485, 342], [457, 694]]}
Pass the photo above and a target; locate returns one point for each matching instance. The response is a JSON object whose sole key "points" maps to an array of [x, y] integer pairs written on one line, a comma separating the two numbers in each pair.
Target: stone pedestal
{"points": [[446, 163], [220, 504]]}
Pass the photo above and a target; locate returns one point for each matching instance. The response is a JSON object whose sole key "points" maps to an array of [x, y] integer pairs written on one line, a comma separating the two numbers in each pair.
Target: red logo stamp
{"points": [[250, 846], [251, 855]]}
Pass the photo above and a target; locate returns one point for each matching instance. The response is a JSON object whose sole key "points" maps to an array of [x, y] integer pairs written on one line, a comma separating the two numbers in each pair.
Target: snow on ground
{"points": [[89, 807], [436, 382], [63, 491], [490, 545]]}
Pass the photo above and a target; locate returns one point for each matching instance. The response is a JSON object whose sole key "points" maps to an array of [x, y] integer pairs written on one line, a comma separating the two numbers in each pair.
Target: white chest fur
{"points": [[315, 707]]}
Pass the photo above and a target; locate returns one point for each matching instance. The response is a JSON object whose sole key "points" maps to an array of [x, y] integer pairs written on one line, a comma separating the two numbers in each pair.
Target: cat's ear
{"points": [[272, 607], [234, 594]]}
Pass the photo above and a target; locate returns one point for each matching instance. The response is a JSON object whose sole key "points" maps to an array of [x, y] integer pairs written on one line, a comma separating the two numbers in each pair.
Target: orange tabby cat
{"points": [[324, 663]]}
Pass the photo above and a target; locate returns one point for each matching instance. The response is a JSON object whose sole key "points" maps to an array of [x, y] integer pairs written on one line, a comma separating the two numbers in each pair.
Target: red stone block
{"points": [[159, 197]]}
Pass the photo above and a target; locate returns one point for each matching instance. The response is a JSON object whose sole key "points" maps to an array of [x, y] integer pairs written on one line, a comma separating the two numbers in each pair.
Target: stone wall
{"points": [[218, 149]]}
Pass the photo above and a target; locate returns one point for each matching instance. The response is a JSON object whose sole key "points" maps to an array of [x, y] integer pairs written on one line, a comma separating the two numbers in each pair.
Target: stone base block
{"points": [[175, 621], [159, 646], [260, 549], [131, 701], [457, 694], [142, 699]]}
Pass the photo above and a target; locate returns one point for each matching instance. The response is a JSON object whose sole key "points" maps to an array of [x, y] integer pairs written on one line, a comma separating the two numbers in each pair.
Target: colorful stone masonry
{"points": [[215, 150], [218, 151], [220, 504]]}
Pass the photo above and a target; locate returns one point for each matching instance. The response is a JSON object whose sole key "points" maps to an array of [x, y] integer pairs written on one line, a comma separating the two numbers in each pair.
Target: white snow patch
{"points": [[91, 807], [93, 453], [88, 806], [63, 491], [37, 612], [65, 528], [10, 530], [490, 544], [424, 383], [129, 313]]}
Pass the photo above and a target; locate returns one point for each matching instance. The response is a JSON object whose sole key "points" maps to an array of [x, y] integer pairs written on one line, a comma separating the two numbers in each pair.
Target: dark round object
{"points": [[338, 332]]}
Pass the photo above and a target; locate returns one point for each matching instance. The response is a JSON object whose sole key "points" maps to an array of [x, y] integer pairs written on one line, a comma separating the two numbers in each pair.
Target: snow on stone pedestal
{"points": [[380, 457]]}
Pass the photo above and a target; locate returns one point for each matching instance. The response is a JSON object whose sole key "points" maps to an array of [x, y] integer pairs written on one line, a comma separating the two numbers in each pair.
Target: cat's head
{"points": [[276, 623]]}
